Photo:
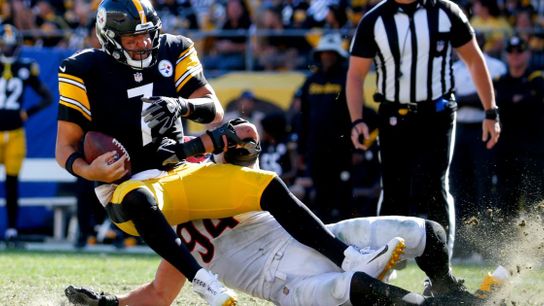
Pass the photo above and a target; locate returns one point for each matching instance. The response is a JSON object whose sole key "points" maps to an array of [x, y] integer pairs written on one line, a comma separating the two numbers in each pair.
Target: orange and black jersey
{"points": [[98, 93], [14, 77]]}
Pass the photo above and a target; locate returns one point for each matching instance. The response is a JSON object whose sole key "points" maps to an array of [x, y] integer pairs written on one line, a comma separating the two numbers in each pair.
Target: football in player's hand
{"points": [[97, 143]]}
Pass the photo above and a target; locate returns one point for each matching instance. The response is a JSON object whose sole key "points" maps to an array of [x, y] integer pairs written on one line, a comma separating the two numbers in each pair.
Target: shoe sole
{"points": [[394, 259]]}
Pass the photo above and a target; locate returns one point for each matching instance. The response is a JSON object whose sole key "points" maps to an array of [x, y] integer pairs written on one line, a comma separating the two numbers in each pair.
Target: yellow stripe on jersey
{"points": [[140, 10], [71, 77], [78, 107], [73, 94], [187, 66]]}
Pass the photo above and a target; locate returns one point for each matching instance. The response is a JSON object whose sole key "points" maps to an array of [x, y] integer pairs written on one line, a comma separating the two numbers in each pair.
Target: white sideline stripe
{"points": [[52, 202], [41, 170]]}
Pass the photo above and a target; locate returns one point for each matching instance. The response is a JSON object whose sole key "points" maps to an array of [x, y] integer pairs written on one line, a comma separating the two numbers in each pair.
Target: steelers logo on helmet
{"points": [[128, 18]]}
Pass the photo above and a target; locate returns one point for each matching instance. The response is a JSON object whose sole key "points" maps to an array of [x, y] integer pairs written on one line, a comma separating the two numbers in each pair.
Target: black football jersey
{"points": [[100, 94], [14, 77]]}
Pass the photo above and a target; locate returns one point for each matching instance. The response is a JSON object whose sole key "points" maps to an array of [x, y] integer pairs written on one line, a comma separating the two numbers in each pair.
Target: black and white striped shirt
{"points": [[412, 52]]}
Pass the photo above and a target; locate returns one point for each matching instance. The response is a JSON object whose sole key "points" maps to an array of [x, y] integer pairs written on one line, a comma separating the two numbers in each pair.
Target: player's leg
{"points": [[434, 261], [15, 151], [425, 241], [138, 212]]}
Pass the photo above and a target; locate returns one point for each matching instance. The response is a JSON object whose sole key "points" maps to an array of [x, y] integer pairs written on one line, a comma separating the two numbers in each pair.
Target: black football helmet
{"points": [[10, 42], [115, 18]]}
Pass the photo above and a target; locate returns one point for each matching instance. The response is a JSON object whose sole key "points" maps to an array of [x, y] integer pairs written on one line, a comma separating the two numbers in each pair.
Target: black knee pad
{"points": [[138, 203]]}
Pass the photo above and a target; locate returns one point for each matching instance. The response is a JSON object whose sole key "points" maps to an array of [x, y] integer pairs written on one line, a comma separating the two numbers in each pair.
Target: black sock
{"points": [[12, 198], [300, 222], [365, 290], [435, 260], [140, 206]]}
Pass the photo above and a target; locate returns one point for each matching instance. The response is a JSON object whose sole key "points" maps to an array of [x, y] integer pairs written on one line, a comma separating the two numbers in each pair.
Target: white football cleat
{"points": [[212, 290], [377, 263]]}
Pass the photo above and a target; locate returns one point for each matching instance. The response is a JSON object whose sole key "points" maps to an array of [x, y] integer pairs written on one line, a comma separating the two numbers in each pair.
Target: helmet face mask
{"points": [[10, 43], [120, 18]]}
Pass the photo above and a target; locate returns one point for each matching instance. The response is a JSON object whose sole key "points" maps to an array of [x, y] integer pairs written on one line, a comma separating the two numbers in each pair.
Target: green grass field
{"points": [[39, 278]]}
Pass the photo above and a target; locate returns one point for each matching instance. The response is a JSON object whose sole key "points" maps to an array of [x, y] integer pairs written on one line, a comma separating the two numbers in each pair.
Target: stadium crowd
{"points": [[269, 31], [235, 35]]}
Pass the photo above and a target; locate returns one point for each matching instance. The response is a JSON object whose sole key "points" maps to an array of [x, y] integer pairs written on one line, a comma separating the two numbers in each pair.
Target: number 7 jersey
{"points": [[99, 93]]}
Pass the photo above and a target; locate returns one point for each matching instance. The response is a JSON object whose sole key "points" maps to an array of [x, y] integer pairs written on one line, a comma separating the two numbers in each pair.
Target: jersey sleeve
{"points": [[74, 103], [363, 43], [189, 74], [462, 31]]}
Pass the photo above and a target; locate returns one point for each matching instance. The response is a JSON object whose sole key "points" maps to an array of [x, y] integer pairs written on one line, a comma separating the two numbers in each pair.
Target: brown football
{"points": [[97, 143]]}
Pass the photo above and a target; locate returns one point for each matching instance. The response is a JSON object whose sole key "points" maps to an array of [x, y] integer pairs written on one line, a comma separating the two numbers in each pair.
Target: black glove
{"points": [[164, 111], [87, 297], [227, 130], [171, 152], [167, 152]]}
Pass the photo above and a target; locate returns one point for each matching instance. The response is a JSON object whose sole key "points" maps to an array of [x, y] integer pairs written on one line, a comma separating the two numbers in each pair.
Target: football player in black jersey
{"points": [[16, 74], [136, 89]]}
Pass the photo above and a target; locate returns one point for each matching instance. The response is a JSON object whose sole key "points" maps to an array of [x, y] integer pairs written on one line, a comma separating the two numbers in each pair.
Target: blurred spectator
{"points": [[523, 22], [337, 18], [536, 45], [50, 23], [319, 10], [277, 51], [324, 139], [19, 13], [177, 15], [228, 52], [520, 152], [471, 171], [488, 20], [295, 15], [82, 22]]}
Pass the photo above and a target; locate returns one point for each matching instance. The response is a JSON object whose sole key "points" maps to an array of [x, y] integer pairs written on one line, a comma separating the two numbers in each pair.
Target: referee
{"points": [[411, 43]]}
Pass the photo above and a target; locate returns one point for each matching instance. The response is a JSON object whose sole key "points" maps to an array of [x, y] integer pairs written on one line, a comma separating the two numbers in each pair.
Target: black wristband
{"points": [[492, 114], [191, 148], [354, 123], [70, 162]]}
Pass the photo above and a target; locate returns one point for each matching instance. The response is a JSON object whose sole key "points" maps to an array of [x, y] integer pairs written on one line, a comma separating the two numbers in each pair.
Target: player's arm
{"points": [[69, 156], [161, 291], [202, 106], [236, 137], [472, 56], [39, 87]]}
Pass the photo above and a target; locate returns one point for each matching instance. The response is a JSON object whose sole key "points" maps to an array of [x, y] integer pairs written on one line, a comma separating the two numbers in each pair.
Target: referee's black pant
{"points": [[415, 154]]}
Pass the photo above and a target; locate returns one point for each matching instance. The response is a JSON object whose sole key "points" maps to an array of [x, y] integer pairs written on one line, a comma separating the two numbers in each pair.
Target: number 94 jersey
{"points": [[98, 93], [14, 77]]}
